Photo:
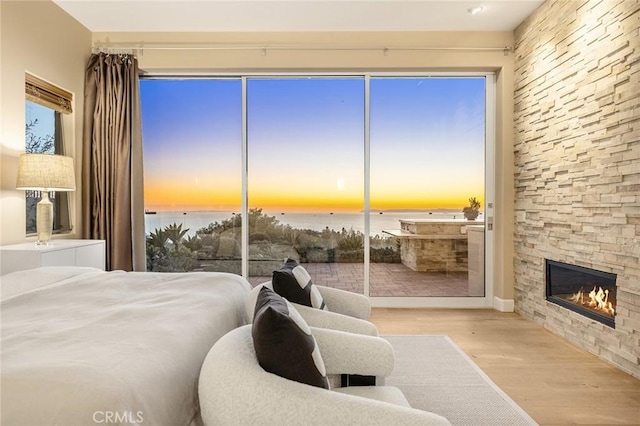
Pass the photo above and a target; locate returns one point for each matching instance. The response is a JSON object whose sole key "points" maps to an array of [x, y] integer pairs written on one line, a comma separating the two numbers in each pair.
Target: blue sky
{"points": [[45, 126], [306, 143]]}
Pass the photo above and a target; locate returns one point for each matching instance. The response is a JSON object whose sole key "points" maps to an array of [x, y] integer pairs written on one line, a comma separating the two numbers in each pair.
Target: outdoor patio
{"points": [[386, 279]]}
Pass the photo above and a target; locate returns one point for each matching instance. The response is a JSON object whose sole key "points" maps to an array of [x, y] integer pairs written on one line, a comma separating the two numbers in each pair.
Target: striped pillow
{"points": [[293, 282]]}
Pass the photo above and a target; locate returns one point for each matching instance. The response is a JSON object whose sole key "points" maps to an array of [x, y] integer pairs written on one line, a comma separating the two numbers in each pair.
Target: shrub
{"points": [[255, 237], [384, 255], [352, 240]]}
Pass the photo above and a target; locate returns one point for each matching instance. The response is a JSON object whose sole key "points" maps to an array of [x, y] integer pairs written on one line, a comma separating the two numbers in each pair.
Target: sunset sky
{"points": [[306, 143]]}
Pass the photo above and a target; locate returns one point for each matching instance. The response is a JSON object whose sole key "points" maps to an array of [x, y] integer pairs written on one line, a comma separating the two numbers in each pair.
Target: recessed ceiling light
{"points": [[475, 10]]}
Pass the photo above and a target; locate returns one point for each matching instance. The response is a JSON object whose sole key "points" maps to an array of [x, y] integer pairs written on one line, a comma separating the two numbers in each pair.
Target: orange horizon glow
{"points": [[233, 203], [327, 196]]}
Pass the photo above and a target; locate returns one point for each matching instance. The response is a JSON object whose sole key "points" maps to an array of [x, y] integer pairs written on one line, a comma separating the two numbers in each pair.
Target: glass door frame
{"points": [[485, 301]]}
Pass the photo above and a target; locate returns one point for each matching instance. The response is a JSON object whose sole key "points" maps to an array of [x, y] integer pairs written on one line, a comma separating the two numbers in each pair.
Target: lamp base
{"points": [[44, 219]]}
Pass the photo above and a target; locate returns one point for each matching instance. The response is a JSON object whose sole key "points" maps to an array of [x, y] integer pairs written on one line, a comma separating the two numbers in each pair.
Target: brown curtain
{"points": [[112, 185]]}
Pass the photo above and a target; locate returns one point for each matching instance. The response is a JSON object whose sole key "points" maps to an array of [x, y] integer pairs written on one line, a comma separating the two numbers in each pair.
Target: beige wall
{"points": [[38, 37], [305, 60]]}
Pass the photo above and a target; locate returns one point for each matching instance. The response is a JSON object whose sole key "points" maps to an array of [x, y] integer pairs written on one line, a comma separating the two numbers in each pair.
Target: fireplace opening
{"points": [[586, 291]]}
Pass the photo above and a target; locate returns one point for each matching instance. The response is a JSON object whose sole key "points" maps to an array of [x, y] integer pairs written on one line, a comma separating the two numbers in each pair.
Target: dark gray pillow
{"points": [[293, 282], [283, 341]]}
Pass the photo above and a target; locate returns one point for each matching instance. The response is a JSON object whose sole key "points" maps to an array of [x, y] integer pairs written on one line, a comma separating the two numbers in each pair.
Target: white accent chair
{"points": [[235, 390], [346, 311]]}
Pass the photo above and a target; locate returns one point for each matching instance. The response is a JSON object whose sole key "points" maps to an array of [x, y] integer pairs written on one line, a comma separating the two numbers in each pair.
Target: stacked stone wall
{"points": [[577, 164]]}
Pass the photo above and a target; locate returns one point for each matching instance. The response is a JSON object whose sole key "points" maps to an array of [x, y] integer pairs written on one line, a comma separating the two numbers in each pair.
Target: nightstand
{"points": [[18, 257]]}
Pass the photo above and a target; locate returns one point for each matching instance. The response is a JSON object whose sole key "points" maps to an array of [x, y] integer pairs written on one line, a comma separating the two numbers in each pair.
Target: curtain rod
{"points": [[385, 49]]}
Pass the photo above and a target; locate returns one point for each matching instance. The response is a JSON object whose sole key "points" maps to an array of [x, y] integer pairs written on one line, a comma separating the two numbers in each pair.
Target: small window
{"points": [[44, 107]]}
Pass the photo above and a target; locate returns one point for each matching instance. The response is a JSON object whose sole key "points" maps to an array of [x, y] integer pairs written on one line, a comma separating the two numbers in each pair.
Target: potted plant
{"points": [[472, 210]]}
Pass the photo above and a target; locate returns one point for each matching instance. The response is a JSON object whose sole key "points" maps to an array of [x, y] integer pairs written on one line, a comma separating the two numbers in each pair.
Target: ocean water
{"points": [[315, 221]]}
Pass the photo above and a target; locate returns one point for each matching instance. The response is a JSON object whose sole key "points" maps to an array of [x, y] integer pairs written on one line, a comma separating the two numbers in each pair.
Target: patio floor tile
{"points": [[386, 279]]}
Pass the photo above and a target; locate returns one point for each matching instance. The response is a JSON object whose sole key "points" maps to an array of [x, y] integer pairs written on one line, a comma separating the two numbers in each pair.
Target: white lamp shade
{"points": [[46, 172]]}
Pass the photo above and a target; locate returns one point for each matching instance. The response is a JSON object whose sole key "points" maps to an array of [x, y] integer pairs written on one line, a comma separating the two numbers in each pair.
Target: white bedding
{"points": [[81, 346]]}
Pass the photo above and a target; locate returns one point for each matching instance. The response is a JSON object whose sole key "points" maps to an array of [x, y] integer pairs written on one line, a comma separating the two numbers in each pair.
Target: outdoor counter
{"points": [[428, 245]]}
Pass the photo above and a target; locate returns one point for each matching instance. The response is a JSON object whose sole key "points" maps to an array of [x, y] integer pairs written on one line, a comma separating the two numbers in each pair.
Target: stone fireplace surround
{"points": [[577, 165]]}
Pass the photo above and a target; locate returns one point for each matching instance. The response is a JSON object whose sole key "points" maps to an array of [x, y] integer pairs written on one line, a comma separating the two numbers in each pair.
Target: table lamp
{"points": [[45, 172]]}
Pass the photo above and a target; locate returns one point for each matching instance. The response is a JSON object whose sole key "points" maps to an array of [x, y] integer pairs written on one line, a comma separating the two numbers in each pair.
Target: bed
{"points": [[82, 346]]}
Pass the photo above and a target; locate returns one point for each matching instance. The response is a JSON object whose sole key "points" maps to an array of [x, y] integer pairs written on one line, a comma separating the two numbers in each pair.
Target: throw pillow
{"points": [[293, 282], [283, 341]]}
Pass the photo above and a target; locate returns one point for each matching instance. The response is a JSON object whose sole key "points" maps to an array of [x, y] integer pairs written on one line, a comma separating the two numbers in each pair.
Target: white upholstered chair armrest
{"points": [[345, 302], [335, 321], [322, 407], [348, 353]]}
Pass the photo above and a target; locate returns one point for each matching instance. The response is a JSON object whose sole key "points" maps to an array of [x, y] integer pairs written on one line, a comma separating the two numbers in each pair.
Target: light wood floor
{"points": [[552, 380]]}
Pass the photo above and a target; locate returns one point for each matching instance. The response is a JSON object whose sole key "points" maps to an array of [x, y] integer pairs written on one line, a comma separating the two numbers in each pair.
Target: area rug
{"points": [[436, 375]]}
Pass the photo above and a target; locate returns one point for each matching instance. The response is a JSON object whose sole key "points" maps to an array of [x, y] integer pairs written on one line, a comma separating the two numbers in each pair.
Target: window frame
{"points": [[490, 140], [60, 101]]}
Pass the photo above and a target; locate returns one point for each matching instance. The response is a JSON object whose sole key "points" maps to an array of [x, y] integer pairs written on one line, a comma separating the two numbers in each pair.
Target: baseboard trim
{"points": [[503, 305]]}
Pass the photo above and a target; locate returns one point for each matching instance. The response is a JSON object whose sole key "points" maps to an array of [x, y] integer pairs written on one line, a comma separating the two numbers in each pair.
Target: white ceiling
{"points": [[298, 15]]}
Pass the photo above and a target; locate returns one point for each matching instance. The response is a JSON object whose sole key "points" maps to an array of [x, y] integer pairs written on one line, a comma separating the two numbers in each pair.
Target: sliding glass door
{"points": [[427, 145]]}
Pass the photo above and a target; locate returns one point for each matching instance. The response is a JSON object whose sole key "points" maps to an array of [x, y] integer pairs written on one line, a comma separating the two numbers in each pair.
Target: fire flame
{"points": [[598, 300]]}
